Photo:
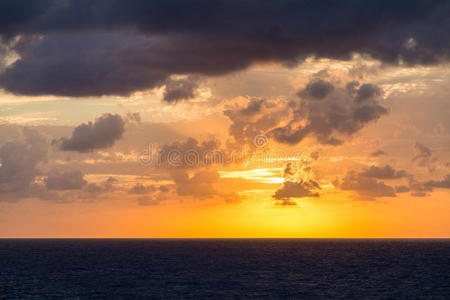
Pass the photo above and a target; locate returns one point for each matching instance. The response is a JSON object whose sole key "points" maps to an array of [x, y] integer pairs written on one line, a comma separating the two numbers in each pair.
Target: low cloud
{"points": [[378, 153], [337, 116], [386, 172], [66, 180], [300, 189], [200, 185], [255, 119], [444, 183], [180, 89], [102, 187], [193, 154], [20, 162], [102, 133], [367, 188], [141, 189], [317, 89]]}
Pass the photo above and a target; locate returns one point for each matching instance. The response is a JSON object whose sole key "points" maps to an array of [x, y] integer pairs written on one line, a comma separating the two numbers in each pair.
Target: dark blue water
{"points": [[135, 269]]}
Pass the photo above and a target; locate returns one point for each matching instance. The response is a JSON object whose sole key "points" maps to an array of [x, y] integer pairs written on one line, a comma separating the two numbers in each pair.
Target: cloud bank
{"points": [[92, 48]]}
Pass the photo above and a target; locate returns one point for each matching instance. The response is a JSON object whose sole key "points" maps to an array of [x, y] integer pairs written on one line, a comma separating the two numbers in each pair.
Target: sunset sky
{"points": [[224, 118]]}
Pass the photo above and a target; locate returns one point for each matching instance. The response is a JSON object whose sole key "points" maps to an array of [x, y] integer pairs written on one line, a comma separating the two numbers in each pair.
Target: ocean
{"points": [[224, 268]]}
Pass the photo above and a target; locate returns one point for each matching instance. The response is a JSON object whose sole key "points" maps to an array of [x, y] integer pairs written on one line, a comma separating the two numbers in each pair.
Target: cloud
{"points": [[424, 151], [402, 189], [200, 185], [300, 189], [365, 183], [378, 153], [180, 89], [112, 47], [444, 183], [102, 187], [141, 189], [317, 89], [258, 117], [103, 133], [335, 117], [148, 201], [20, 162], [367, 91], [386, 172], [192, 154], [66, 180], [368, 188]]}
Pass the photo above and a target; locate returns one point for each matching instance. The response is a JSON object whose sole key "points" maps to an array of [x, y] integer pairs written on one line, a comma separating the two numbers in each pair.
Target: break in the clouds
{"points": [[118, 47], [102, 133]]}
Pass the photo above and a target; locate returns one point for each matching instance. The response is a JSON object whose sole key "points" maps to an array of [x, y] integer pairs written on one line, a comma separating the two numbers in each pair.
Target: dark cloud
{"points": [[378, 153], [103, 133], [180, 89], [386, 172], [116, 47], [368, 188], [300, 189], [66, 180], [335, 117], [367, 91], [317, 89]]}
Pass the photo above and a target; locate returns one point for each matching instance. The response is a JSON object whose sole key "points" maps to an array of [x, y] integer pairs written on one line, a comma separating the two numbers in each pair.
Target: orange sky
{"points": [[330, 192]]}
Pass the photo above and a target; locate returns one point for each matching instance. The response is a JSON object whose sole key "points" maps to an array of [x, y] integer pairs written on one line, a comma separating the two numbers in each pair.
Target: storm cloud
{"points": [[91, 48]]}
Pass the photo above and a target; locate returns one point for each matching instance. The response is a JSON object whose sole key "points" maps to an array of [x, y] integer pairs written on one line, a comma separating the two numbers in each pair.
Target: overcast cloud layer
{"points": [[86, 48]]}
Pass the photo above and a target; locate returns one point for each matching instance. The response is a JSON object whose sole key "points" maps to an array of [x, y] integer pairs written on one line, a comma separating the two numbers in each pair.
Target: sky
{"points": [[224, 119]]}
